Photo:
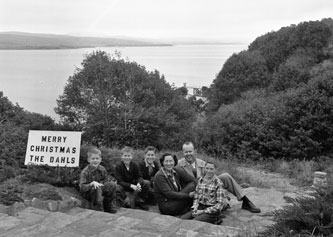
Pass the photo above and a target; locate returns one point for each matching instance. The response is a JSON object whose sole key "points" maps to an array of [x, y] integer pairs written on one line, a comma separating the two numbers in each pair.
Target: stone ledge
{"points": [[49, 205]]}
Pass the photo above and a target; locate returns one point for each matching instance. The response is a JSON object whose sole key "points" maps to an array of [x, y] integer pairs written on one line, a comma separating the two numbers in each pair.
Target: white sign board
{"points": [[53, 148]]}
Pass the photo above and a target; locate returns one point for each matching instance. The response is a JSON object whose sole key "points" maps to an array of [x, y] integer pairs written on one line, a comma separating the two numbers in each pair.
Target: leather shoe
{"points": [[219, 221], [248, 205], [142, 206]]}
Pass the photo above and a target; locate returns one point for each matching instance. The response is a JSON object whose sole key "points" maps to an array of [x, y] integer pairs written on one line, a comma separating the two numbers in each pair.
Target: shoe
{"points": [[248, 205], [110, 210], [142, 206], [109, 206], [219, 221]]}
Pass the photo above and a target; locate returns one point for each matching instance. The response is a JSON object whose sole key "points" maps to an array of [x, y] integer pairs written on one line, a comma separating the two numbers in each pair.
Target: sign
{"points": [[53, 148]]}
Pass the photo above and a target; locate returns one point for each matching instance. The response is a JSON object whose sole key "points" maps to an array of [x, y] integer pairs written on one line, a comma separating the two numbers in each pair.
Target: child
{"points": [[129, 177], [148, 168], [209, 197], [95, 185]]}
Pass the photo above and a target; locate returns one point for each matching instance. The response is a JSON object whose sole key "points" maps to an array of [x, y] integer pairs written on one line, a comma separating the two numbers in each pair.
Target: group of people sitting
{"points": [[188, 188]]}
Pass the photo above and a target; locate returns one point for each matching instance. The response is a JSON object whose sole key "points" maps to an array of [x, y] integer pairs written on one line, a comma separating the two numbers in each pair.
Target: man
{"points": [[195, 167], [209, 198]]}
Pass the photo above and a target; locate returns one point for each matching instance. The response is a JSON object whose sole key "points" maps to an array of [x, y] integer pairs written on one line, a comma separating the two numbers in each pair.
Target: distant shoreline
{"points": [[83, 47], [120, 46], [33, 41]]}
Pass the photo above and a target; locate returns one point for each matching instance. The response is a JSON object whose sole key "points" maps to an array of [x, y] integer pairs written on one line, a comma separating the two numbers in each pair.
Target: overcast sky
{"points": [[240, 20]]}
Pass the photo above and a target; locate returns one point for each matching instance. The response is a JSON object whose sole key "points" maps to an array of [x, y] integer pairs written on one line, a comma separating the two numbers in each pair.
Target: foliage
{"points": [[15, 124], [296, 124], [240, 73], [6, 172], [10, 191], [308, 216], [277, 60], [117, 102], [56, 176]]}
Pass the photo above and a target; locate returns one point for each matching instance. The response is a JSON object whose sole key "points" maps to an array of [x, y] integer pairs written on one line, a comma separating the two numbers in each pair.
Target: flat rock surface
{"points": [[75, 221]]}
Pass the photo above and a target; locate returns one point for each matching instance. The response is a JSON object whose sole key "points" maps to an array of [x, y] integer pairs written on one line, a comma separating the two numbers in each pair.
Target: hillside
{"points": [[274, 100], [20, 40]]}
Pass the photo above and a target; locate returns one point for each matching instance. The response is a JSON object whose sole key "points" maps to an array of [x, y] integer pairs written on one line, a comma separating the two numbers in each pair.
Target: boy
{"points": [[209, 197], [195, 167], [148, 168], [95, 185], [129, 177]]}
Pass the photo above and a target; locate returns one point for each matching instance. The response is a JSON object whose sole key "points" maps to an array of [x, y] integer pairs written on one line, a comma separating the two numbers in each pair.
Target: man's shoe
{"points": [[142, 206], [110, 210], [219, 221], [248, 205]]}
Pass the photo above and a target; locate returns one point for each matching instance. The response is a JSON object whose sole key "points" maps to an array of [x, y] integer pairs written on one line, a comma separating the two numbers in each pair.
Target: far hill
{"points": [[21, 40]]}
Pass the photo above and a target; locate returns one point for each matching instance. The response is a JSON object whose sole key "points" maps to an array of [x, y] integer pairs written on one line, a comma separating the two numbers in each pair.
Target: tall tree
{"points": [[117, 102]]}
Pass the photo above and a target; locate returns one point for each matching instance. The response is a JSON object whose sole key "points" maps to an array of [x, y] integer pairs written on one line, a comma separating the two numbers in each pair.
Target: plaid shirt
{"points": [[89, 174], [210, 194]]}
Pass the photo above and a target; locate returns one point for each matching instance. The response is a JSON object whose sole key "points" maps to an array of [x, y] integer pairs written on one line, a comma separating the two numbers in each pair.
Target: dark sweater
{"points": [[127, 177], [165, 190], [145, 171]]}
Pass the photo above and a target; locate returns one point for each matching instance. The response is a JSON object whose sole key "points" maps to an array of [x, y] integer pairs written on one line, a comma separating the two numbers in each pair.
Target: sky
{"points": [[225, 20]]}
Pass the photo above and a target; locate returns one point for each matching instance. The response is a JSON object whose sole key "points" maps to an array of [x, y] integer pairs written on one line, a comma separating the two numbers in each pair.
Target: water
{"points": [[35, 78]]}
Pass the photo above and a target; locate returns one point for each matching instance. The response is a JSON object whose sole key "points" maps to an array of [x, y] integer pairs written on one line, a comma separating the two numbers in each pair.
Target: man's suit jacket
{"points": [[199, 165]]}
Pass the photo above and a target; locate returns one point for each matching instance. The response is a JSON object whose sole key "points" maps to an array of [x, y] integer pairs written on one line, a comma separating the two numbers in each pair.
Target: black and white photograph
{"points": [[166, 118]]}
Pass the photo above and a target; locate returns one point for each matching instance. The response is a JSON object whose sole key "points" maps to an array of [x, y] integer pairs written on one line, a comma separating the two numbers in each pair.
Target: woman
{"points": [[173, 190]]}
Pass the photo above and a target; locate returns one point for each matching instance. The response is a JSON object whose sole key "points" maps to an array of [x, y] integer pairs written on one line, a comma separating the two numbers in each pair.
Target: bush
{"points": [[305, 217], [296, 124], [57, 176], [10, 191]]}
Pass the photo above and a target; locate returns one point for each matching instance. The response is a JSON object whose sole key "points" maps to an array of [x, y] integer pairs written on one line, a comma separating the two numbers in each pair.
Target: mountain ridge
{"points": [[25, 40]]}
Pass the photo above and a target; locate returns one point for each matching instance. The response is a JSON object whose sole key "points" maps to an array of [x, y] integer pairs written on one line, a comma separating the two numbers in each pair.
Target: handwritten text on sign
{"points": [[54, 148]]}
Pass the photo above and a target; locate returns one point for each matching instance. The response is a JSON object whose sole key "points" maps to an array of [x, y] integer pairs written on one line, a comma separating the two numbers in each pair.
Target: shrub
{"points": [[304, 217], [10, 191], [57, 176]]}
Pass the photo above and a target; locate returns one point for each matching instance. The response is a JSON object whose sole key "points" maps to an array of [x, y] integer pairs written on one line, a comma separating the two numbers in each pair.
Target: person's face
{"points": [[94, 160], [150, 157], [126, 157], [188, 151], [210, 170], [168, 162]]}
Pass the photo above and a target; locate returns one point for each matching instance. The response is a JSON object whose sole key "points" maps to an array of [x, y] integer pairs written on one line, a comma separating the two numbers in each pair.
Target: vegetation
{"points": [[117, 102], [311, 216], [272, 103]]}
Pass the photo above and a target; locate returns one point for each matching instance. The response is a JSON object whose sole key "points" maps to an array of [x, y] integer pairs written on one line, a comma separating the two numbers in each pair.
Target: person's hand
{"points": [[136, 188], [199, 212], [194, 211], [191, 194], [95, 184]]}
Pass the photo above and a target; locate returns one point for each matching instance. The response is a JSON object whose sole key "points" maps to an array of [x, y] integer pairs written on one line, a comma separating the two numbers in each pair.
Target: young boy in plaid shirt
{"points": [[209, 197], [95, 185]]}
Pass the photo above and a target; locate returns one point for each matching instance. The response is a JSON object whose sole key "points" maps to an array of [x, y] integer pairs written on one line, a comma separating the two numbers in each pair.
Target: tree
{"points": [[241, 72], [117, 102], [15, 124]]}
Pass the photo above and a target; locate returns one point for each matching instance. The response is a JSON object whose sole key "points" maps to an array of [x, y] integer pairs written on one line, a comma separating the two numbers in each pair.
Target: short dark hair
{"points": [[211, 161], [150, 148], [127, 149], [162, 158]]}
